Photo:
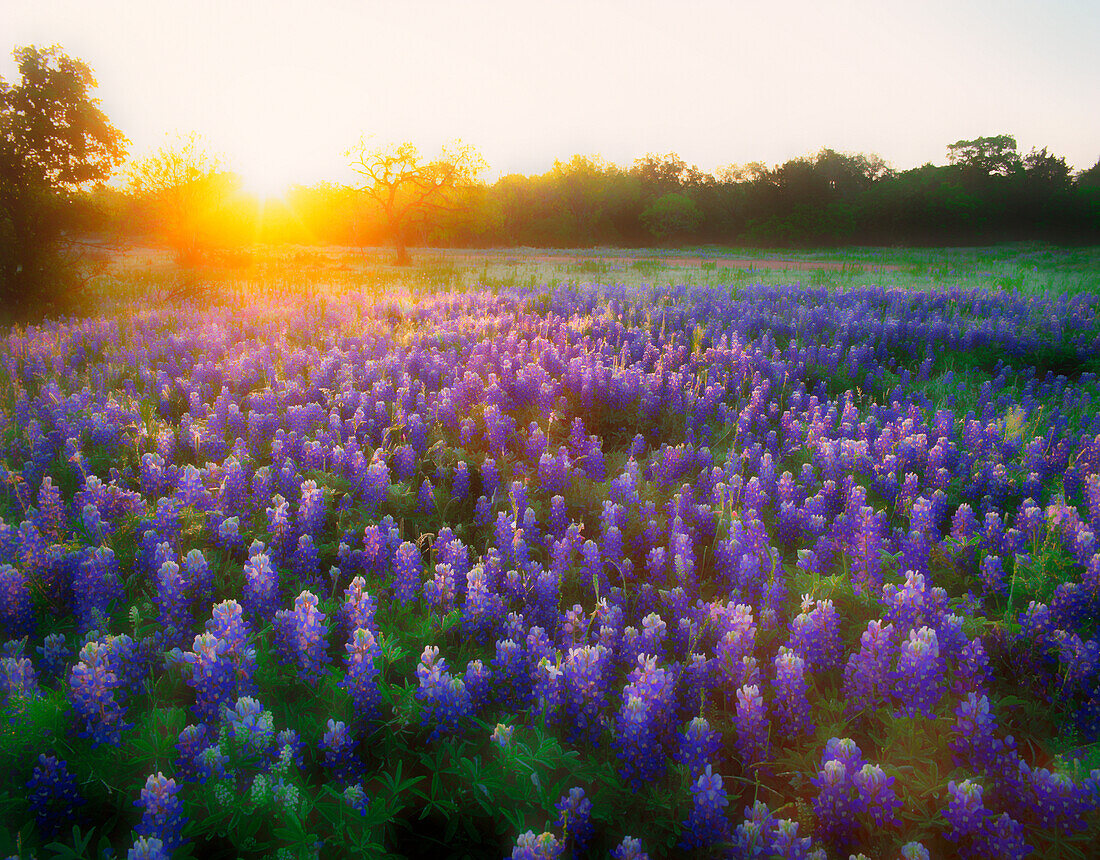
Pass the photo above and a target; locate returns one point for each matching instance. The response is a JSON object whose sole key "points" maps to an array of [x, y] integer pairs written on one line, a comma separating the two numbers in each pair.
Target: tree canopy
{"points": [[985, 156], [54, 139]]}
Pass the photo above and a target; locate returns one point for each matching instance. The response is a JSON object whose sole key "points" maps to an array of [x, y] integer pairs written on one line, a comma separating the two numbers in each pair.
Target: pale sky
{"points": [[281, 89]]}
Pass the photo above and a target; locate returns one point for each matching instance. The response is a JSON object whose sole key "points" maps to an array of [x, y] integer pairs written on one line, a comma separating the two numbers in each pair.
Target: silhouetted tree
{"points": [[53, 140], [408, 188]]}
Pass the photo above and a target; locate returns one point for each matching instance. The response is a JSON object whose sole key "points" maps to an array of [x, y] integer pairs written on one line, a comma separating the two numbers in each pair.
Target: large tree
{"points": [[54, 139], [409, 188]]}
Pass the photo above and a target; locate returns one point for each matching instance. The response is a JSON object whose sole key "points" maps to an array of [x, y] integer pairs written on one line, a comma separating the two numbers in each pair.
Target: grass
{"points": [[139, 278]]}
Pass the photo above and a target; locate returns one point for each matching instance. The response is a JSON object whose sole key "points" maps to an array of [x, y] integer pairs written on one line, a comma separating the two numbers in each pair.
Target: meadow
{"points": [[555, 554]]}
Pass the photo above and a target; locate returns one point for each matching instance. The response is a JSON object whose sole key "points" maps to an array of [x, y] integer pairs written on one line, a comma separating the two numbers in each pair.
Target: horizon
{"points": [[281, 93]]}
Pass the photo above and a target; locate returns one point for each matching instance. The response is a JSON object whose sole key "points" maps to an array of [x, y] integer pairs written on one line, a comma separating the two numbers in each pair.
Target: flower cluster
{"points": [[632, 591]]}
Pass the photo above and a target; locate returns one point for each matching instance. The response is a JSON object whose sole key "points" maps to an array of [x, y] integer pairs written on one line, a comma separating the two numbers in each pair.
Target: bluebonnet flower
{"points": [[706, 823], [172, 603], [95, 689], [212, 674], [837, 805], [544, 846], [815, 635], [490, 478], [161, 812], [867, 552], [251, 731], [97, 589], [511, 674], [358, 608], [198, 577], [484, 609], [55, 655], [53, 796], [356, 798], [967, 816], [787, 844], [192, 740], [312, 509], [876, 795], [460, 482], [301, 637], [445, 699], [261, 587], [439, 591], [338, 753], [407, 572], [629, 848], [756, 834], [586, 678], [753, 727], [305, 561], [992, 574], [376, 483], [699, 744], [791, 703], [18, 680], [919, 676], [288, 747], [975, 741], [1060, 803], [575, 819], [148, 848], [17, 616], [643, 721], [502, 735], [867, 675]]}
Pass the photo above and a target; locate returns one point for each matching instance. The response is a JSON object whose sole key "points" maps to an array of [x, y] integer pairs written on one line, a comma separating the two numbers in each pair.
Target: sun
{"points": [[264, 183]]}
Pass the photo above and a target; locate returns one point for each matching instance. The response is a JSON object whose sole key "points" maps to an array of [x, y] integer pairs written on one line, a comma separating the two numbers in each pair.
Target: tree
{"points": [[753, 171], [985, 156], [672, 215], [182, 186], [408, 188], [666, 173], [1046, 170], [1089, 178], [54, 139], [585, 184]]}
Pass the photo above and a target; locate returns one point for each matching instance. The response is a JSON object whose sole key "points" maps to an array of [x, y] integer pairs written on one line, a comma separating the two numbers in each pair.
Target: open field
{"points": [[536, 553], [125, 274]]}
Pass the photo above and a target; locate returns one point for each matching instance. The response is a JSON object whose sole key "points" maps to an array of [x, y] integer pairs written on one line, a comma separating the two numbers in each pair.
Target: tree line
{"points": [[987, 192], [58, 150]]}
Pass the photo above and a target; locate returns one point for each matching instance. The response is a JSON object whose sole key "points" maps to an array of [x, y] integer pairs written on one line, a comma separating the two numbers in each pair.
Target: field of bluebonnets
{"points": [[773, 564]]}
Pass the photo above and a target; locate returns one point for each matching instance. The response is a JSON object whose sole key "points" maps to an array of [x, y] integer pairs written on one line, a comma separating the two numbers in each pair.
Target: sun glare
{"points": [[265, 185]]}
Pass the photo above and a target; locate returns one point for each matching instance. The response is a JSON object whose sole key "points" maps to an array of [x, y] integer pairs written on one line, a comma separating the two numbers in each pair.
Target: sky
{"points": [[281, 89]]}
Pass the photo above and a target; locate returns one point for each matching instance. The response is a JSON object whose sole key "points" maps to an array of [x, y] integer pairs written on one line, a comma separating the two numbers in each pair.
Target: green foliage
{"points": [[53, 139], [672, 215]]}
